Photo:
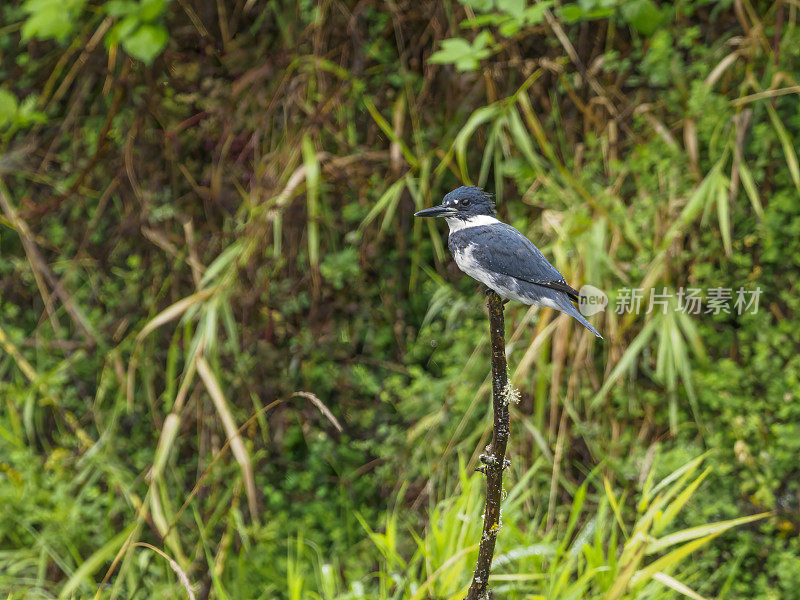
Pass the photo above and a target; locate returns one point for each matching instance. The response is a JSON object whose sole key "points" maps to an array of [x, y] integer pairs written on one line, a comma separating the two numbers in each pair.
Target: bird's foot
{"points": [[488, 292]]}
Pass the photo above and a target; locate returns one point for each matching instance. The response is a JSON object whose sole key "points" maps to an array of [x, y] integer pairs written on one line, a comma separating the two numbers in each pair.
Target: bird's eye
{"points": [[465, 202]]}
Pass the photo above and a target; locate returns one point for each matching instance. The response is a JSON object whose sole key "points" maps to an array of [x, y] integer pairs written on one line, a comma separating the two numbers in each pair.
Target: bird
{"points": [[499, 256]]}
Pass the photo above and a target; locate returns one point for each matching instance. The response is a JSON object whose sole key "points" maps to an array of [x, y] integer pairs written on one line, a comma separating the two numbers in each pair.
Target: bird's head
{"points": [[462, 203]]}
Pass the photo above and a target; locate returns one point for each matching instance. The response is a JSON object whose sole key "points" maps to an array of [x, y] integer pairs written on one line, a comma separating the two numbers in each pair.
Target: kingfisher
{"points": [[499, 256]]}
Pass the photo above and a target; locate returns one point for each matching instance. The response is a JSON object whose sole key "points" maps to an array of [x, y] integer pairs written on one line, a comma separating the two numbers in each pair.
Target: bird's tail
{"points": [[564, 304]]}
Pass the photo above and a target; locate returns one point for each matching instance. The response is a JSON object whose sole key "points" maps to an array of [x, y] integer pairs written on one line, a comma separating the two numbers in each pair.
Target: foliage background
{"points": [[207, 208]]}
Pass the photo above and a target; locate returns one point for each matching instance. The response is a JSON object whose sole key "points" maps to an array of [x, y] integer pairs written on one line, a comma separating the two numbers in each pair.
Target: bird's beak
{"points": [[436, 211]]}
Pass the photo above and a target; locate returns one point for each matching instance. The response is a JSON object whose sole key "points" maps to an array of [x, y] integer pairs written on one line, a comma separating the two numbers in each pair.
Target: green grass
{"points": [[230, 356]]}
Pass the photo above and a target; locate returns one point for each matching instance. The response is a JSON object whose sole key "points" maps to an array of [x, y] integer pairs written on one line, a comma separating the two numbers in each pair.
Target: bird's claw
{"points": [[488, 291]]}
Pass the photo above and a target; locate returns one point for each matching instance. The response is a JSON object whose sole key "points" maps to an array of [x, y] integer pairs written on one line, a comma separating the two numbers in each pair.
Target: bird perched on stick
{"points": [[501, 257]]}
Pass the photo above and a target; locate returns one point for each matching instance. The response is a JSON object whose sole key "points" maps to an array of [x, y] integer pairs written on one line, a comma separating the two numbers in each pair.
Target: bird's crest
{"points": [[478, 197]]}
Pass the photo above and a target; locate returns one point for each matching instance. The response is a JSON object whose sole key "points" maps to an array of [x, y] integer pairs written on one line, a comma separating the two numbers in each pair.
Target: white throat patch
{"points": [[456, 224]]}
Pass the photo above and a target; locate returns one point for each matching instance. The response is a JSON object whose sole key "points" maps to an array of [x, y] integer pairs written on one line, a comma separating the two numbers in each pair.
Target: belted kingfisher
{"points": [[501, 257]]}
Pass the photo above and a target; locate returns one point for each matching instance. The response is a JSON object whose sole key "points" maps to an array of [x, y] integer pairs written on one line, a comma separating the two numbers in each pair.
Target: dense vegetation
{"points": [[207, 228]]}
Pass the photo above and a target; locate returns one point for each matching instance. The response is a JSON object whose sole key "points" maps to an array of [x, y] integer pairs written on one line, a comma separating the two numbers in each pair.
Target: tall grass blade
{"points": [[686, 535], [228, 423], [83, 574], [387, 128], [312, 198], [671, 559], [626, 362], [676, 585], [476, 119], [788, 147], [664, 519], [723, 214], [388, 199], [750, 189], [182, 577]]}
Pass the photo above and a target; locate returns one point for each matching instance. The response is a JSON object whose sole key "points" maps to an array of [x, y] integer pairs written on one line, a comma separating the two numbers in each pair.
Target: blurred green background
{"points": [[232, 364]]}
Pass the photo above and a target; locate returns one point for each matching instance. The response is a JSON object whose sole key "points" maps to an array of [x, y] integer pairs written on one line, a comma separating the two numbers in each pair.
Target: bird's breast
{"points": [[505, 285], [463, 254]]}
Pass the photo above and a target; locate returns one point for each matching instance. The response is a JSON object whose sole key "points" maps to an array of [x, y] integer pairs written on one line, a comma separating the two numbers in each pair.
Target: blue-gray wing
{"points": [[502, 249]]}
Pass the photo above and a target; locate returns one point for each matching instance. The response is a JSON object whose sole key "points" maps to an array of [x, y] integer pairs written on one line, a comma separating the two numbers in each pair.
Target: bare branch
{"points": [[494, 461]]}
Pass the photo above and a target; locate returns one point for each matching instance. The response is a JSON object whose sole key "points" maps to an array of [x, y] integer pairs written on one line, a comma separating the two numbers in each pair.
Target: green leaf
{"points": [[50, 19], [510, 26], [122, 30], [18, 114], [146, 42], [479, 5], [8, 107], [514, 8], [462, 54], [574, 12], [151, 9], [535, 14], [120, 8], [482, 21], [641, 15]]}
